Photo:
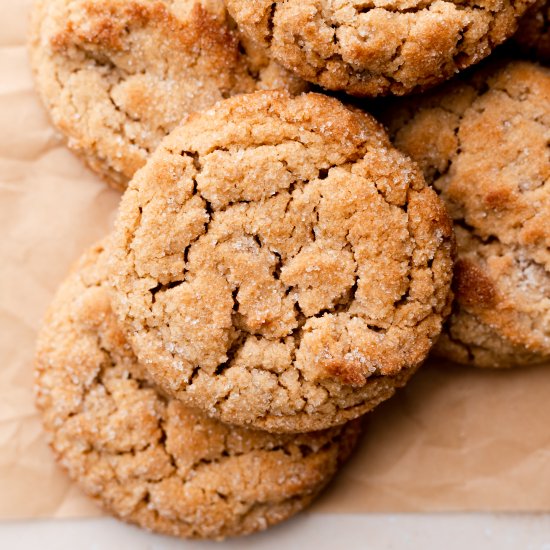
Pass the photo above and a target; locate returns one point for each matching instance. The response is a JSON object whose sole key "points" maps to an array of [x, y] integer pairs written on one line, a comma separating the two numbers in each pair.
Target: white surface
{"points": [[318, 532]]}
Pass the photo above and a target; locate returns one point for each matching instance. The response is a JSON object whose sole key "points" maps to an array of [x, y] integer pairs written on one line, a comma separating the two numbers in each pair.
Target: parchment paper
{"points": [[454, 439]]}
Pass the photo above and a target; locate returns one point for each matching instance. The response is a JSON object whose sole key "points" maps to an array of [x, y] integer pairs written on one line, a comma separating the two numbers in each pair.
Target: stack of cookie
{"points": [[278, 267]]}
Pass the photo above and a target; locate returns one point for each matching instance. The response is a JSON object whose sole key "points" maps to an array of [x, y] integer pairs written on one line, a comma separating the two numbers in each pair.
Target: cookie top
{"points": [[148, 459], [279, 264], [483, 143], [118, 75], [375, 48], [533, 34]]}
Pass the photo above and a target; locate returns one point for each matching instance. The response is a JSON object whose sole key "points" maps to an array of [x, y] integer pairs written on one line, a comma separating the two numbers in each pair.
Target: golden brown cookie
{"points": [[278, 264], [374, 48], [533, 34], [148, 459], [483, 143], [118, 75]]}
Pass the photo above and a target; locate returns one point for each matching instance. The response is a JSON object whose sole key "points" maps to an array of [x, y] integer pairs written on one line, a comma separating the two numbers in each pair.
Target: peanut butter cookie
{"points": [[373, 48], [118, 75], [148, 459], [278, 264], [483, 143], [533, 35]]}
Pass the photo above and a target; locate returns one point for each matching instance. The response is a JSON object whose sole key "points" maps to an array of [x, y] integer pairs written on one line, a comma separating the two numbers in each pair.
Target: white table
{"points": [[315, 531]]}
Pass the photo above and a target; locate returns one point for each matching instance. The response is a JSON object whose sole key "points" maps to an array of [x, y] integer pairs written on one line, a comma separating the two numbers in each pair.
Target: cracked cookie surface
{"points": [[147, 458], [533, 34], [482, 141], [377, 47], [277, 263], [118, 75]]}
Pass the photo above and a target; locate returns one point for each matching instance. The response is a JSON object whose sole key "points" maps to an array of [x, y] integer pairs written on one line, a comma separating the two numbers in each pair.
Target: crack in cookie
{"points": [[278, 264]]}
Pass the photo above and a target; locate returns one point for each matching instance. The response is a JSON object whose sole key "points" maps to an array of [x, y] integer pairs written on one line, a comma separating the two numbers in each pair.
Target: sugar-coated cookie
{"points": [[279, 264], [117, 75], [147, 458], [374, 48], [482, 141]]}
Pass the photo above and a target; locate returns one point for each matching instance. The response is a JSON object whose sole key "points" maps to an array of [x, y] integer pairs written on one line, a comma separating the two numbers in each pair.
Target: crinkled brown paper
{"points": [[455, 439]]}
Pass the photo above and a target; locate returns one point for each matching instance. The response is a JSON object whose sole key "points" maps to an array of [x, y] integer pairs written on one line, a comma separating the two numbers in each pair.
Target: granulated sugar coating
{"points": [[148, 459], [278, 264], [483, 143], [118, 75], [378, 47], [533, 35]]}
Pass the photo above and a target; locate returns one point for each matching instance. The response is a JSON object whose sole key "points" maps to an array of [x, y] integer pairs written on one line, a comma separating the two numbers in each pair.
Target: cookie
{"points": [[118, 75], [482, 141], [147, 458], [533, 34], [278, 264], [377, 48]]}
